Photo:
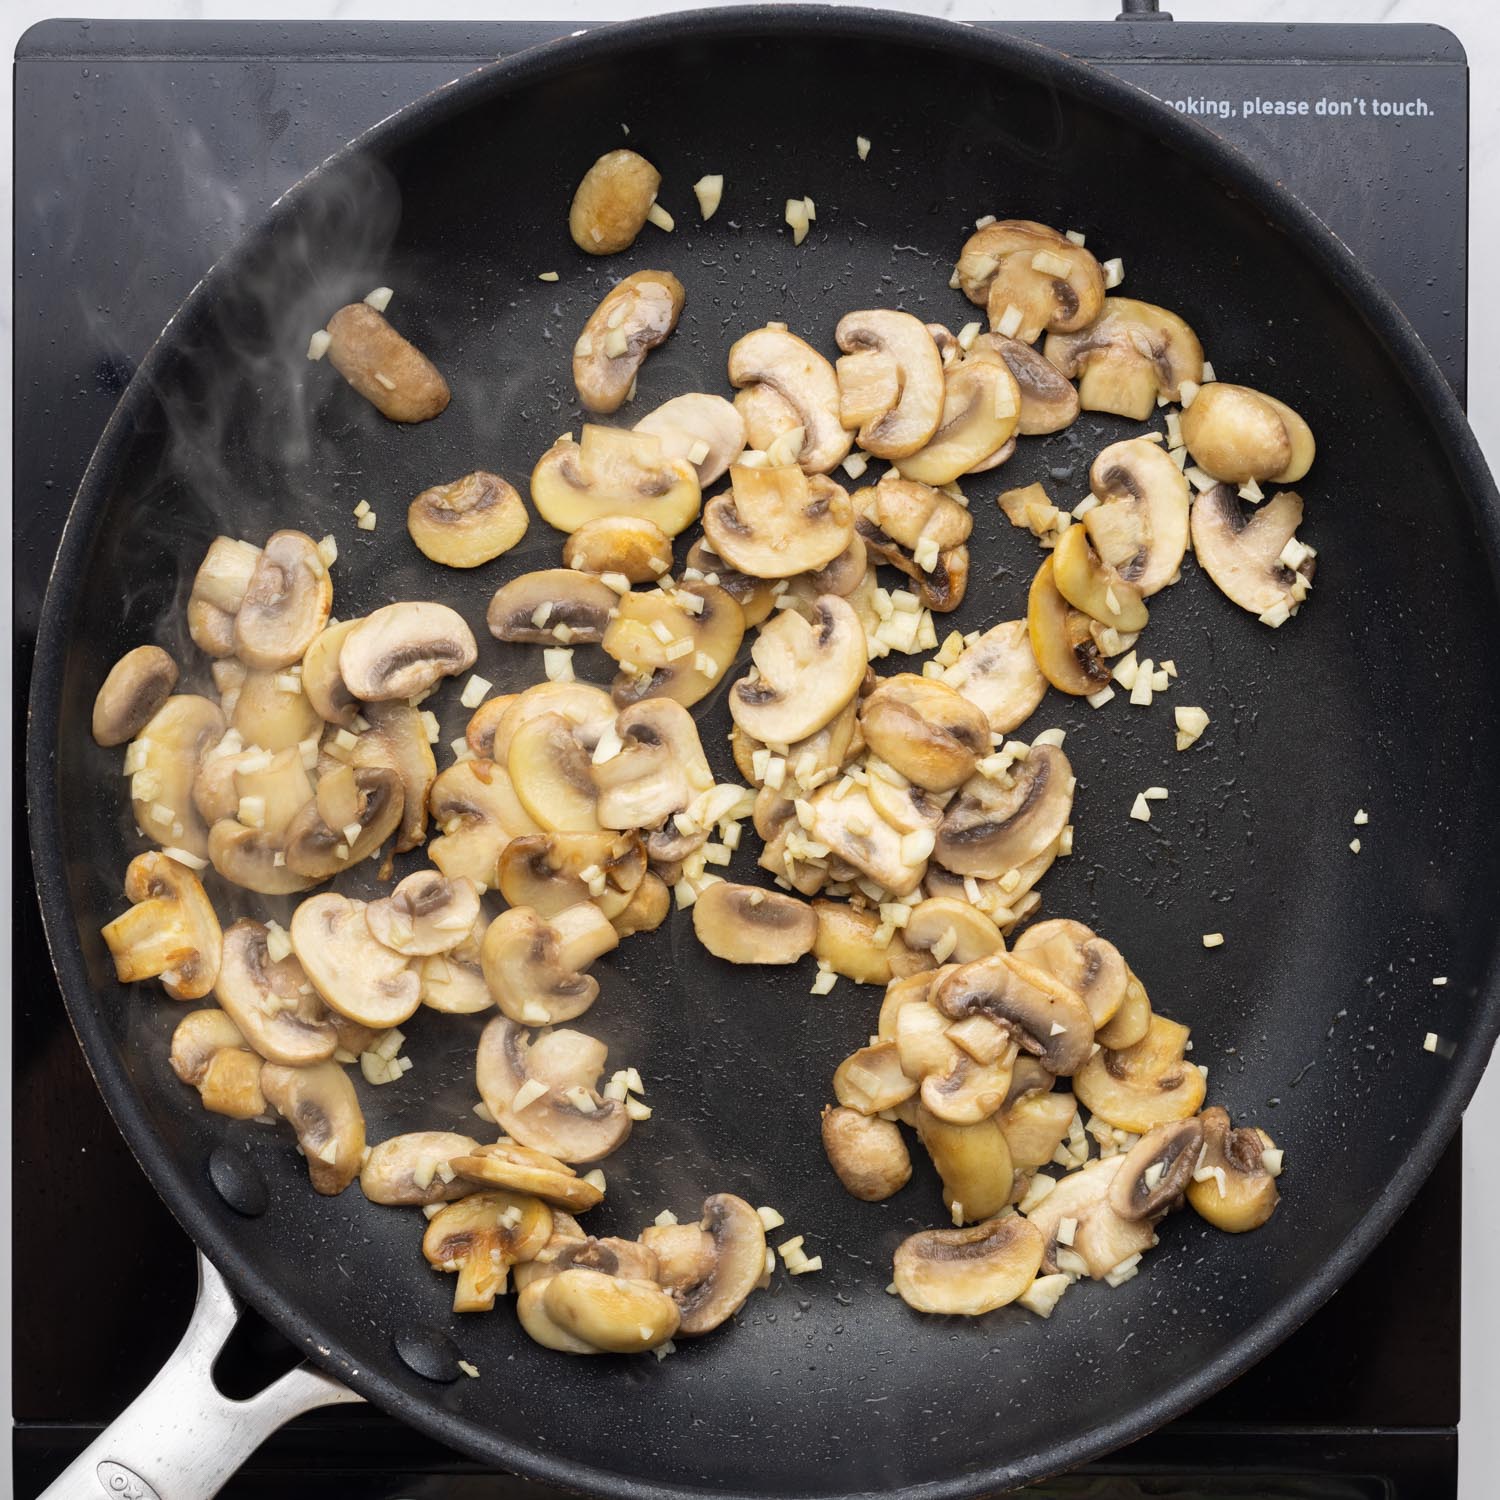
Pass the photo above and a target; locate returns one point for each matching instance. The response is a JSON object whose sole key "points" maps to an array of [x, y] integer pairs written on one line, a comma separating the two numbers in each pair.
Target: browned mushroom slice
{"points": [[1150, 1083], [613, 473], [322, 683], [844, 574], [848, 944], [402, 650], [588, 708], [998, 674], [767, 416], [170, 931], [481, 1237], [583, 1311], [1246, 556], [1141, 529], [477, 809], [479, 733], [981, 406], [1157, 1170], [805, 381], [353, 814], [271, 1000], [951, 930], [744, 924], [272, 711], [319, 1103], [252, 859], [1130, 1023], [1232, 1184], [1049, 402], [973, 1162], [550, 871], [705, 430], [921, 531], [551, 773], [1076, 1217], [659, 768], [209, 1053], [404, 1169], [866, 1153], [855, 832], [1132, 353], [1089, 583], [732, 1262], [774, 523], [167, 754], [1046, 1017], [633, 547], [569, 1248], [427, 913], [129, 697], [1030, 278], [924, 730], [1089, 965], [535, 967], [397, 740], [1062, 639], [968, 1271], [468, 521], [354, 972], [900, 341], [612, 201], [286, 602], [704, 628], [389, 371], [218, 591], [991, 828], [1237, 435], [1036, 1122], [636, 315], [508, 1164]]}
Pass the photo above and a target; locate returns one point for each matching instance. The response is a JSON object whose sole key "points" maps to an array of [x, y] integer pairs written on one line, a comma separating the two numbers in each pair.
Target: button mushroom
{"points": [[1063, 639], [874, 1079], [1049, 402], [397, 740], [767, 416], [1089, 965], [973, 1162], [805, 673], [1141, 528], [570, 1247], [998, 674], [1090, 584], [401, 650], [272, 711], [900, 344], [1046, 1017], [589, 709], [744, 924], [355, 973], [612, 201], [1230, 1185], [535, 967], [968, 1271], [632, 546], [713, 1285], [866, 1153], [319, 1103], [541, 1092], [1243, 555], [646, 910], [170, 931], [924, 730], [1237, 435], [705, 430], [597, 1313], [962, 932], [482, 1237], [404, 1169], [467, 521], [389, 371], [209, 1053], [1157, 1170], [218, 591], [519, 1169], [1150, 1083], [285, 604], [614, 473], [1100, 1237], [1036, 1120], [991, 828], [453, 982], [167, 753], [130, 695], [322, 683], [271, 1000], [658, 770], [253, 860], [921, 531], [572, 608], [774, 523], [546, 871], [981, 407], [636, 315], [846, 943], [427, 913], [1133, 1019], [805, 381], [704, 627], [1131, 354], [1030, 278], [855, 832], [353, 813], [477, 809]]}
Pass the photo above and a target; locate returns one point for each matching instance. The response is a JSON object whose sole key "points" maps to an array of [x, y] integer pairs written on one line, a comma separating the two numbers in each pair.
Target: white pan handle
{"points": [[180, 1439]]}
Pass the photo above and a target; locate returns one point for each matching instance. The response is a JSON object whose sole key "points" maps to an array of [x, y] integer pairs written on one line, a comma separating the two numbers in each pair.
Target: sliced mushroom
{"points": [[479, 733], [229, 1085], [981, 407], [402, 650], [1132, 353], [767, 416], [949, 349], [481, 1237], [731, 1265], [901, 342], [551, 773], [169, 750], [744, 924], [508, 1164], [355, 973], [1063, 641], [1051, 283], [1141, 529], [1131, 1022], [271, 1000], [252, 859], [427, 913], [973, 1162], [570, 1247], [1157, 1170], [272, 711], [597, 1313], [659, 769], [218, 591], [1235, 434], [774, 523], [589, 709], [636, 315], [170, 931], [646, 910], [924, 730], [1230, 1184], [847, 943], [968, 1271], [1089, 965], [453, 982], [397, 740], [547, 871], [705, 430], [1243, 554], [704, 626], [404, 1169], [319, 1103], [612, 201], [353, 814], [1150, 1083], [633, 547], [855, 832], [1090, 584], [535, 967], [389, 371], [932, 921], [910, 989], [132, 693], [569, 1119], [467, 521], [844, 574], [873, 1079], [1049, 402], [805, 381], [866, 1153], [1036, 1122], [614, 473], [990, 828], [1047, 1018], [969, 1090], [806, 672], [478, 811], [1100, 1238], [285, 604], [322, 683], [898, 519], [278, 786], [998, 674]]}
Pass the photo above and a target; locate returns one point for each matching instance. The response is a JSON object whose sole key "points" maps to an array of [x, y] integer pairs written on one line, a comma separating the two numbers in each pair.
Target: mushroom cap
{"points": [[911, 419], [1100, 1237], [713, 628], [1049, 402], [322, 682], [925, 730], [467, 521], [973, 1162], [736, 1264], [745, 924], [1129, 355], [545, 871], [1063, 642], [611, 202], [1090, 966], [320, 1105], [1243, 554], [1157, 1170], [1232, 1188], [632, 546], [989, 828], [636, 315], [508, 1164], [174, 741], [1236, 434], [697, 423], [1048, 1019], [866, 1153], [534, 968], [389, 371], [614, 472], [553, 1123], [170, 931], [375, 802], [403, 1169], [272, 1002], [247, 857], [426, 913], [981, 408], [478, 811], [134, 689], [998, 674], [1141, 528], [775, 523], [659, 769], [997, 269], [968, 1271], [805, 381], [355, 973], [1148, 1084], [285, 604], [1090, 584], [808, 671], [646, 910], [401, 650], [969, 1090]]}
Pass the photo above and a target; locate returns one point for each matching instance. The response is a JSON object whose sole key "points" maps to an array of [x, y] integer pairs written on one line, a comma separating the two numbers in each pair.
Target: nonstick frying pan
{"points": [[1310, 1018]]}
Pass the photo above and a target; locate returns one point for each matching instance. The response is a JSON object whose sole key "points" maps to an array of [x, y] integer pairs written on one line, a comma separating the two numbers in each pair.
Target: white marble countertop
{"points": [[1477, 25]]}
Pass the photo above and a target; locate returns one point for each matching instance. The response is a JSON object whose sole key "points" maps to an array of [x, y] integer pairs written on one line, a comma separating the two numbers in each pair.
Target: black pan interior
{"points": [[1310, 1018]]}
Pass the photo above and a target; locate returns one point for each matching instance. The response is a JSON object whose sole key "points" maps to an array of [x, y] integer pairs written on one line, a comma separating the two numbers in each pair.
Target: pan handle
{"points": [[180, 1439]]}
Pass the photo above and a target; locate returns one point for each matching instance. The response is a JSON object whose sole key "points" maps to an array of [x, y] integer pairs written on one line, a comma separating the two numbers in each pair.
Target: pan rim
{"points": [[1219, 160]]}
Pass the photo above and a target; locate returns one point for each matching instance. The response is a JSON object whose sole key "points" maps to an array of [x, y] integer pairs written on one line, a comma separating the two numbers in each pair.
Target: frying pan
{"points": [[1310, 1018]]}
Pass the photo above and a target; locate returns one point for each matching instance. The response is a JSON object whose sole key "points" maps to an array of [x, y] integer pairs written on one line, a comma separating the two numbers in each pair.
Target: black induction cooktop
{"points": [[142, 151]]}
